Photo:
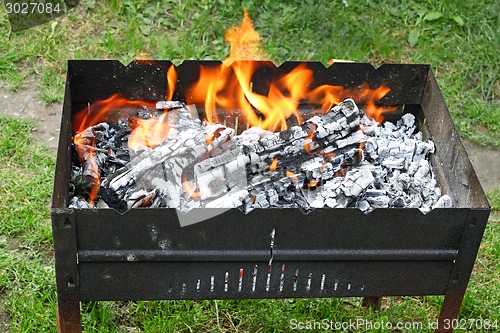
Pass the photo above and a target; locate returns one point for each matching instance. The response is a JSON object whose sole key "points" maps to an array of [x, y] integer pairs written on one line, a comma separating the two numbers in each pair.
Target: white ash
{"points": [[397, 172]]}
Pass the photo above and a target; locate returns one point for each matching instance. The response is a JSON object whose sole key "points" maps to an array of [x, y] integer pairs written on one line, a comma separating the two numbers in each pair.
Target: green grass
{"points": [[458, 38], [27, 283], [461, 43]]}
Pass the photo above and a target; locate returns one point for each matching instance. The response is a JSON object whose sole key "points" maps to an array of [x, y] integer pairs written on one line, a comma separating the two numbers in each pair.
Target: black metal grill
{"points": [[269, 253]]}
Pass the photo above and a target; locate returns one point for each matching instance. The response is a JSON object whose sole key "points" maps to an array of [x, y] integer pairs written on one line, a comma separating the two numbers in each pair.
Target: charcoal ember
{"points": [[382, 201], [339, 159], [422, 150], [233, 199], [233, 155], [186, 143], [255, 149], [101, 204], [356, 182], [341, 191], [369, 125], [340, 121], [443, 202], [91, 157], [169, 105], [141, 198], [364, 206], [355, 139], [78, 203], [212, 183], [351, 157], [371, 149], [421, 174], [404, 172], [317, 168]]}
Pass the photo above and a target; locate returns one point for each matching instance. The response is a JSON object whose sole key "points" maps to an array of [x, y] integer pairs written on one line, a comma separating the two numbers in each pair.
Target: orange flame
{"points": [[245, 42], [230, 87], [86, 151], [360, 149], [107, 110], [309, 140], [369, 97], [312, 183], [171, 82], [149, 132], [292, 176], [273, 165]]}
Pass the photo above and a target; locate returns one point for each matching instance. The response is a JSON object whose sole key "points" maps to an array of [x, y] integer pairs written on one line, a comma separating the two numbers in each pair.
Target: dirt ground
{"points": [[27, 104]]}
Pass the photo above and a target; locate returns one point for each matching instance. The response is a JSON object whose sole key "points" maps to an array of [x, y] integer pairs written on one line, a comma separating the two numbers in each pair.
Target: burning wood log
{"points": [[295, 148], [186, 142], [216, 172]]}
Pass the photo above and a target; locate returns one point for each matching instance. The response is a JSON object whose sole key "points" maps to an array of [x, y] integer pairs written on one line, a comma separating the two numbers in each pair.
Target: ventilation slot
{"points": [[254, 277], [269, 265], [268, 279], [240, 280], [282, 277], [296, 279], [226, 281], [309, 279], [322, 285]]}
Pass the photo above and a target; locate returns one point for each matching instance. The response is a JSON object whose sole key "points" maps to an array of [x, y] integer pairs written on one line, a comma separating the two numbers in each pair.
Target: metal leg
{"points": [[375, 302], [68, 317], [449, 312]]}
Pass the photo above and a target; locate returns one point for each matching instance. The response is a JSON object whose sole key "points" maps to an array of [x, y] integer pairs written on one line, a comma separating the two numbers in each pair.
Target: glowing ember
{"points": [[273, 165], [149, 133], [292, 176]]}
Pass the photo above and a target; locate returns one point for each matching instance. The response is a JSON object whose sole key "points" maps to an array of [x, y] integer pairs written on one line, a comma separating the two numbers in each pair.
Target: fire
{"points": [[86, 150], [368, 97], [189, 186], [292, 176], [273, 165], [149, 132], [229, 95], [109, 110], [309, 140], [312, 183], [171, 82], [245, 42], [229, 87]]}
